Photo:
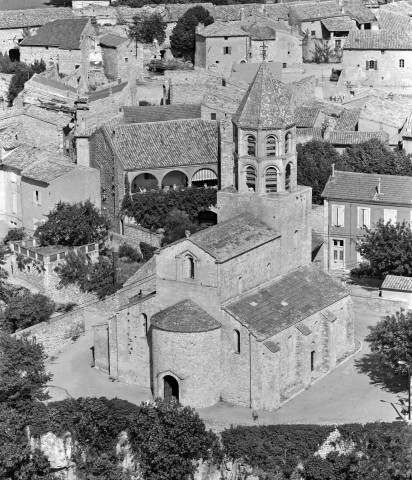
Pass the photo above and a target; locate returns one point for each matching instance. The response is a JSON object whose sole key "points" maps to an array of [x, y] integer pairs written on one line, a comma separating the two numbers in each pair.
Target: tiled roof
{"points": [[225, 99], [393, 282], [266, 103], [232, 13], [396, 22], [166, 144], [222, 29], [315, 133], [145, 272], [47, 169], [403, 7], [48, 116], [184, 317], [262, 32], [65, 34], [305, 117], [33, 17], [393, 111], [162, 113], [378, 40], [339, 24], [233, 237], [363, 187], [50, 83], [348, 119], [286, 301], [105, 92], [341, 137], [357, 10], [172, 12], [112, 41], [312, 11]]}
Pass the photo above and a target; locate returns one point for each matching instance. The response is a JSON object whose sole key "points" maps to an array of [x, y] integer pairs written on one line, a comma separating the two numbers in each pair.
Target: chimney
{"points": [[333, 170], [242, 14], [187, 233], [379, 185]]}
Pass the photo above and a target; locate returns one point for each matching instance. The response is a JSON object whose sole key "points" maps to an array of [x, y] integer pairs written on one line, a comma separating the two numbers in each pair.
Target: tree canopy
{"points": [[386, 249], [22, 74], [73, 225], [147, 29], [26, 310], [183, 38]]}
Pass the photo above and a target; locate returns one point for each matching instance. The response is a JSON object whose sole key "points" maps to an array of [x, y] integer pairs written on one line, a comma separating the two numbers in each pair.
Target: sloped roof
{"points": [[305, 117], [105, 92], [317, 241], [389, 20], [312, 133], [394, 282], [233, 237], [357, 10], [313, 11], [342, 137], [393, 111], [222, 29], [261, 32], [65, 34], [172, 12], [166, 144], [112, 41], [339, 24], [35, 17], [363, 187], [266, 103], [348, 119], [231, 13], [286, 301], [184, 317], [50, 83], [377, 40], [162, 113], [144, 273]]}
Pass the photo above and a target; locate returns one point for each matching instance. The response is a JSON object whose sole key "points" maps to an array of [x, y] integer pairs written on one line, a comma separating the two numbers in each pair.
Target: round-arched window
{"points": [[288, 175], [251, 178], [251, 145], [271, 180], [271, 146]]}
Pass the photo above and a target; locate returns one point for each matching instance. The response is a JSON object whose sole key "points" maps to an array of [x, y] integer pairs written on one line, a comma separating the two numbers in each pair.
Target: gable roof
{"points": [[65, 34], [166, 144], [392, 112], [348, 119], [266, 104], [50, 83], [184, 317], [161, 113], [377, 40], [233, 237], [350, 137], [231, 13], [222, 29], [146, 272], [357, 10], [105, 92], [363, 187], [394, 282], [305, 117], [112, 41], [286, 301], [339, 24], [316, 11], [34, 17], [389, 20]]}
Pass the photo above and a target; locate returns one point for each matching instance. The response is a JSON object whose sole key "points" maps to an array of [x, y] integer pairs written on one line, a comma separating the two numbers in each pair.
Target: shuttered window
{"points": [[338, 215], [364, 217], [371, 65], [390, 215]]}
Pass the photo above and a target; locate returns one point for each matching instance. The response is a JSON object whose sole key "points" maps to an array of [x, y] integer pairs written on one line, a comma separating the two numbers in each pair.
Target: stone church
{"points": [[236, 312]]}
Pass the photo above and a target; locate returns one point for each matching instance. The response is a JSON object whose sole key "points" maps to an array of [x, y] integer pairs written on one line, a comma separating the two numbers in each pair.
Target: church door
{"points": [[171, 388]]}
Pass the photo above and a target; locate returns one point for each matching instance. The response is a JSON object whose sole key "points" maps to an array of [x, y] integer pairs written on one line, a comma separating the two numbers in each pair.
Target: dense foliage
{"points": [[3, 274], [14, 235], [22, 74], [151, 209], [183, 38], [177, 223], [147, 251], [386, 249], [73, 225], [129, 252], [147, 29]]}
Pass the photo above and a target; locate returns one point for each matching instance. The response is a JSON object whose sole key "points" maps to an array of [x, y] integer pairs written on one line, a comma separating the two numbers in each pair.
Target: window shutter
{"points": [[367, 64], [376, 65], [367, 218], [34, 196], [341, 216], [229, 50], [334, 215]]}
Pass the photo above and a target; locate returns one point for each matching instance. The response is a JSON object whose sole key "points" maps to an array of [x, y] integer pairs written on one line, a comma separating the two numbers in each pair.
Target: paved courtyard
{"points": [[357, 391]]}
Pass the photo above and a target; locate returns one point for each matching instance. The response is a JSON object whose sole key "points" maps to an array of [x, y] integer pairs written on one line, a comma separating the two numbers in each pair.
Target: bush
{"points": [[147, 251], [14, 235], [24, 311], [129, 252], [176, 225], [22, 74]]}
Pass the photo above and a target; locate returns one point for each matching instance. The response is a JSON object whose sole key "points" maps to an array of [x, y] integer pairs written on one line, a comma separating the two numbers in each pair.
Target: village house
{"points": [[356, 201], [44, 91], [236, 312]]}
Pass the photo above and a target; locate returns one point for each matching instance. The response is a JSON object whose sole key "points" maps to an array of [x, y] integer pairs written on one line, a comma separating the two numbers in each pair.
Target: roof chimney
{"points": [[187, 233]]}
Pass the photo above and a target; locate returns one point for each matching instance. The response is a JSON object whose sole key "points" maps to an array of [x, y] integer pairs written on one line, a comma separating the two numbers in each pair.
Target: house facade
{"points": [[355, 202]]}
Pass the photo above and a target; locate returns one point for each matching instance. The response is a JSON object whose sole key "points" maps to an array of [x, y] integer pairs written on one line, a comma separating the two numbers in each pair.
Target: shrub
{"points": [[25, 311], [14, 235], [129, 252], [147, 251]]}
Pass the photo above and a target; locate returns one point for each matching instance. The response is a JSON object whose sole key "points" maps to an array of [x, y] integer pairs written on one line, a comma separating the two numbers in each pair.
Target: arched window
{"points": [[251, 178], [145, 329], [236, 339], [271, 143], [288, 142], [401, 63], [251, 145], [288, 174], [271, 180], [189, 267], [240, 285]]}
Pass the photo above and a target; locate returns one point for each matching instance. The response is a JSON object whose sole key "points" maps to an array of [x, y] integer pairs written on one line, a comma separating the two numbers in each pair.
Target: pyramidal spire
{"points": [[266, 103]]}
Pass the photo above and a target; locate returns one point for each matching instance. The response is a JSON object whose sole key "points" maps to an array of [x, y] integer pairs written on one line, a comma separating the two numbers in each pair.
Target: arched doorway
{"points": [[175, 179], [144, 181], [204, 177], [170, 388], [14, 55]]}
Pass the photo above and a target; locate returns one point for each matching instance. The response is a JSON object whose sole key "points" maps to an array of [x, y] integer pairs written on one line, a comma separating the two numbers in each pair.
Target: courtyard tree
{"points": [[147, 29], [22, 74], [323, 52], [23, 311], [73, 225]]}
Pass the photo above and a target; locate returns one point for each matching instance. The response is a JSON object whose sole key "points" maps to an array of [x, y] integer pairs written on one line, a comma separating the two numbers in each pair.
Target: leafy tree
{"points": [[27, 310], [147, 29], [129, 252], [386, 249], [22, 74], [73, 225], [147, 251], [176, 224], [7, 65], [14, 235], [23, 377], [315, 160], [323, 52], [183, 38]]}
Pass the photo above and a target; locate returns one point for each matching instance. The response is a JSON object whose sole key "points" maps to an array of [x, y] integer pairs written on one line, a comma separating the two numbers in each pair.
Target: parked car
{"points": [[335, 75]]}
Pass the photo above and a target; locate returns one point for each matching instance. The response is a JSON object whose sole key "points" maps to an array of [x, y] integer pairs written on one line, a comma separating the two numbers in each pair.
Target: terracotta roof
{"points": [[49, 116], [357, 10], [305, 117], [377, 40], [315, 133], [393, 21], [32, 17], [224, 99], [231, 13], [50, 83], [398, 7], [184, 317], [392, 112], [65, 34], [363, 187], [339, 24], [47, 169], [112, 41], [166, 144], [222, 29], [348, 119], [286, 301], [314, 11], [145, 272], [162, 113], [352, 138], [233, 237], [262, 32], [393, 282], [105, 92], [266, 103]]}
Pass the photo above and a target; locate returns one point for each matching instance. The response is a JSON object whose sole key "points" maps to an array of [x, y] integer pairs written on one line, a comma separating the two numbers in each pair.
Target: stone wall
{"points": [[30, 54], [69, 61], [136, 234]]}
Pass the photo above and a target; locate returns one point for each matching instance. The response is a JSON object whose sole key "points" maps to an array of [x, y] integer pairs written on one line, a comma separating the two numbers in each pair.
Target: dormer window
{"points": [[251, 145]]}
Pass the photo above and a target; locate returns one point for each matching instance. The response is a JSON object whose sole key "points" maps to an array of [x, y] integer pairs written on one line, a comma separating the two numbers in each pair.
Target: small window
{"points": [[36, 197], [227, 50], [213, 116], [288, 175], [236, 339], [145, 328], [338, 215], [240, 285], [284, 65], [288, 142], [313, 33], [338, 43], [312, 360], [371, 65], [126, 60], [390, 215], [401, 63], [251, 145], [364, 217], [189, 267]]}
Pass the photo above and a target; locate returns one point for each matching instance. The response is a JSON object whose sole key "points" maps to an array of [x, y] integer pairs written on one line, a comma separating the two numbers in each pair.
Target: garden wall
{"points": [[136, 233]]}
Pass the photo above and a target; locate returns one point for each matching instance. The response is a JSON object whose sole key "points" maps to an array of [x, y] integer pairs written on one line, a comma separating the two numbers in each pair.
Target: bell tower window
{"points": [[288, 175], [271, 180], [251, 178], [251, 145], [288, 142], [271, 142]]}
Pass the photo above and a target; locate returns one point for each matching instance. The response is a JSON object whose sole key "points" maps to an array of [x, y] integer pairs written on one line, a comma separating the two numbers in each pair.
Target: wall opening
{"points": [[144, 182], [144, 324], [175, 179], [312, 360], [236, 338], [171, 388]]}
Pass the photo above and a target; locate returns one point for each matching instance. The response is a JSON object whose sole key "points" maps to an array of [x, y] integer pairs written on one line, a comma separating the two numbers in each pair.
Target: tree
{"points": [[183, 38], [315, 160], [3, 273], [391, 339], [22, 74], [323, 52], [147, 29], [73, 225], [387, 249], [23, 376], [176, 224], [14, 235], [27, 310]]}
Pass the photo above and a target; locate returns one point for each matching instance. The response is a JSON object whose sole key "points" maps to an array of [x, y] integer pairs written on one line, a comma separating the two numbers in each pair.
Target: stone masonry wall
{"points": [[137, 234], [69, 61], [30, 54]]}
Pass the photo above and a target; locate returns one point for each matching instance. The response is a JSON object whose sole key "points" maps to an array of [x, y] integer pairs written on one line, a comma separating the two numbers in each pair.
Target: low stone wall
{"points": [[115, 240], [139, 234]]}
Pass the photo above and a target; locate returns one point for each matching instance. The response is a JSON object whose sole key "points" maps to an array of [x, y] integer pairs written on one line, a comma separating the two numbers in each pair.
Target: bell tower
{"points": [[265, 137]]}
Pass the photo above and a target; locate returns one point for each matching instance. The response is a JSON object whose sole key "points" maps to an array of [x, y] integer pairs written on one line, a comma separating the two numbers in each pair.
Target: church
{"points": [[237, 312]]}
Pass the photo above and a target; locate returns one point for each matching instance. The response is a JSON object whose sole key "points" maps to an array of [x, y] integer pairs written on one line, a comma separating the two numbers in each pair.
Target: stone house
{"points": [[33, 181], [47, 92], [15, 25], [355, 201], [236, 312], [62, 43]]}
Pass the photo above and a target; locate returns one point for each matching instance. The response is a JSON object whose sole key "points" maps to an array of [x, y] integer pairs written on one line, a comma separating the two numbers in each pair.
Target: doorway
{"points": [[337, 253], [170, 388]]}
